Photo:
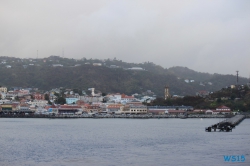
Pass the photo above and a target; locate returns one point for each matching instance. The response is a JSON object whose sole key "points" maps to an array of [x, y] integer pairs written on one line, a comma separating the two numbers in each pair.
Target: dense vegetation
{"points": [[81, 74], [238, 99]]}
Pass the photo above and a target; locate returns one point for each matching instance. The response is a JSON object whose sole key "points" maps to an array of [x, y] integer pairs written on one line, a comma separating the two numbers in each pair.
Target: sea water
{"points": [[146, 142]]}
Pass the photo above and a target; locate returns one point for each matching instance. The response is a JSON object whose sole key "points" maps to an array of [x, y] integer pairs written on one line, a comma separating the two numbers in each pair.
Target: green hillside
{"points": [[81, 74]]}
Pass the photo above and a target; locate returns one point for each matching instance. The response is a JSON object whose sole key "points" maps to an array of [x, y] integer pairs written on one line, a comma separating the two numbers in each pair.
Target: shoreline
{"points": [[116, 116]]}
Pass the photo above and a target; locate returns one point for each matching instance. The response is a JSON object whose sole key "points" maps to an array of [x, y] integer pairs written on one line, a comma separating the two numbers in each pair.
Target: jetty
{"points": [[226, 125]]}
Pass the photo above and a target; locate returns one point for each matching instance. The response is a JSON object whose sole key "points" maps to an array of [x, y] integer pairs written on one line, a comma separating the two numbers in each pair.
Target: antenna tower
{"points": [[62, 52], [237, 77]]}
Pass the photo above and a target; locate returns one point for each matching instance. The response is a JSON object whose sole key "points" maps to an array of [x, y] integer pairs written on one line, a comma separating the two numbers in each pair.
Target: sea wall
{"points": [[117, 116]]}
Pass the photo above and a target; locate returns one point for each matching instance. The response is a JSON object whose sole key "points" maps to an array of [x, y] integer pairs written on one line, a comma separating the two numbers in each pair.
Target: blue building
{"points": [[71, 100]]}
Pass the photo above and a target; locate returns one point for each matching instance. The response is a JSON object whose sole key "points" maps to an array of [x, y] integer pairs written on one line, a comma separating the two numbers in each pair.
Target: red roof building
{"points": [[223, 108], [39, 96]]}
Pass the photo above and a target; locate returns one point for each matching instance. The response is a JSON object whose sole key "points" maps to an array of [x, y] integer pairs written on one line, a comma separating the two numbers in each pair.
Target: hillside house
{"points": [[202, 93], [38, 96], [97, 64], [3, 89], [38, 103], [70, 100], [57, 65], [136, 68], [125, 98]]}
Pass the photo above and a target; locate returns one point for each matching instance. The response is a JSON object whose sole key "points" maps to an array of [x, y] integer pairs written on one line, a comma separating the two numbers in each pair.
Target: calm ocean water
{"points": [[147, 142]]}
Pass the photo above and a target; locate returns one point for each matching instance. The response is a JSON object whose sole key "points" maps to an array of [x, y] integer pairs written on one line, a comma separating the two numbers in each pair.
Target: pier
{"points": [[226, 125]]}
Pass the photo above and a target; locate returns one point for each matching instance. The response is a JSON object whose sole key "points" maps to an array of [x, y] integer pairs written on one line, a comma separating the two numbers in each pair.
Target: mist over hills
{"points": [[108, 76]]}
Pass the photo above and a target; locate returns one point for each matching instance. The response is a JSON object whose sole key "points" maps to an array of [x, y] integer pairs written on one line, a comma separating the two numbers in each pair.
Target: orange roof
{"points": [[115, 106], [223, 107]]}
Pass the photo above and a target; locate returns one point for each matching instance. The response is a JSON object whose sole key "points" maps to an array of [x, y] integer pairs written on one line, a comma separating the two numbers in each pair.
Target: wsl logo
{"points": [[240, 158]]}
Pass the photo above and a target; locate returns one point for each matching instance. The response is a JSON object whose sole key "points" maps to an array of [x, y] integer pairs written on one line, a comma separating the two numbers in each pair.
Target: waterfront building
{"points": [[223, 108], [209, 112], [134, 109], [69, 109], [6, 107], [198, 111], [220, 110], [157, 111], [23, 107], [185, 108], [112, 108], [92, 108], [103, 108], [50, 109], [175, 112], [32, 108]]}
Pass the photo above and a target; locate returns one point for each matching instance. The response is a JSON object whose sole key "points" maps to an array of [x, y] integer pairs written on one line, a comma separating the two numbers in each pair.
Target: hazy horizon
{"points": [[205, 36]]}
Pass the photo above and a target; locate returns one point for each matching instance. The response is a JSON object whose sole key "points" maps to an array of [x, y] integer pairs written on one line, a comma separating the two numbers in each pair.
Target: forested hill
{"points": [[82, 74]]}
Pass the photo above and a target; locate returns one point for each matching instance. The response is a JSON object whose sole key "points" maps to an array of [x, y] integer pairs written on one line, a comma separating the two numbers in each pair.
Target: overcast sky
{"points": [[204, 35]]}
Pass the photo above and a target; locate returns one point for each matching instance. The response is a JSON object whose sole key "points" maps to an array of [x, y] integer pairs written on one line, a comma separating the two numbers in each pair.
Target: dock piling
{"points": [[226, 125]]}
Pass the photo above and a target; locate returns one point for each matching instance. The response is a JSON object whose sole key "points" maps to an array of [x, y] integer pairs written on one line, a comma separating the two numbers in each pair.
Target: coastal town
{"points": [[30, 102], [36, 84]]}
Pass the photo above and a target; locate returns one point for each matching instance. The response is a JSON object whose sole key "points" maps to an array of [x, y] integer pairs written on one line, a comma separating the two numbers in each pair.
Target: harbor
{"points": [[128, 116], [54, 142]]}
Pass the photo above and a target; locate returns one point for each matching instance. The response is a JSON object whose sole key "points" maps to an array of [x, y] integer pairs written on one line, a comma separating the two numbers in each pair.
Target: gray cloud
{"points": [[207, 36]]}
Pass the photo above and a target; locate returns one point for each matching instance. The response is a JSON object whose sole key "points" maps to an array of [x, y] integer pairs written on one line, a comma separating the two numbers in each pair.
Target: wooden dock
{"points": [[226, 125]]}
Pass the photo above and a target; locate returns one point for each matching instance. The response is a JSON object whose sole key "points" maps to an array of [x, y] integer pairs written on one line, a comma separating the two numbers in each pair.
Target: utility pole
{"points": [[237, 77], [63, 52]]}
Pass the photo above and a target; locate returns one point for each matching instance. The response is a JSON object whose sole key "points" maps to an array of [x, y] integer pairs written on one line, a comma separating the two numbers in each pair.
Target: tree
{"points": [[46, 97], [60, 100], [233, 96], [219, 100], [17, 98]]}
